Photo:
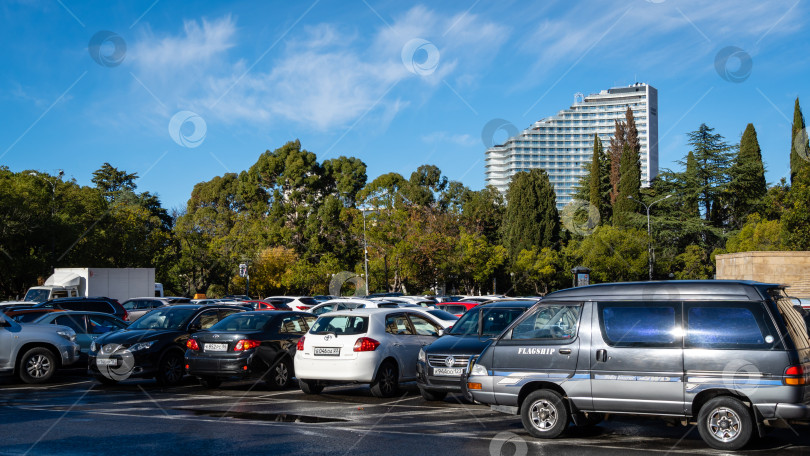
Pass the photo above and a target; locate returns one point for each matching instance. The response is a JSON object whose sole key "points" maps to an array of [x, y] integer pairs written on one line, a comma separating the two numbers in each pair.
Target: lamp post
{"points": [[649, 232], [365, 249]]}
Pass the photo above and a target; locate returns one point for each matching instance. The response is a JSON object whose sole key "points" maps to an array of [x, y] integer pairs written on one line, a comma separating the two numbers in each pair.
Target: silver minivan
{"points": [[728, 356]]}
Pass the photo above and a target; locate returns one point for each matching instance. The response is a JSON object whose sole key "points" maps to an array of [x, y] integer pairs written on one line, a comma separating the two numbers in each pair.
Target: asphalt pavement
{"points": [[73, 415]]}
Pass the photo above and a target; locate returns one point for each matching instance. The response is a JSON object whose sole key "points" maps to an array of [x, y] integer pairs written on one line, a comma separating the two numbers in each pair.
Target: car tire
{"points": [[544, 414], [104, 380], [725, 423], [310, 386], [210, 382], [171, 369], [280, 375], [432, 395], [37, 365], [386, 384]]}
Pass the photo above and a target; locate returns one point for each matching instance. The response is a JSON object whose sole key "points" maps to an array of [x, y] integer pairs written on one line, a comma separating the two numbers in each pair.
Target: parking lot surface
{"points": [[73, 415]]}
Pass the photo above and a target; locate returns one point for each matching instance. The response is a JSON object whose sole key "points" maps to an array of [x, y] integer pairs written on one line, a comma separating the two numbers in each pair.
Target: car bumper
{"points": [[241, 366], [784, 411], [70, 354], [361, 369], [141, 364], [450, 384]]}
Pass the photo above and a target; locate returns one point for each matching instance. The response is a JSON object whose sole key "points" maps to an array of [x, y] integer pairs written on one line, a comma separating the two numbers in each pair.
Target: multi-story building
{"points": [[563, 144]]}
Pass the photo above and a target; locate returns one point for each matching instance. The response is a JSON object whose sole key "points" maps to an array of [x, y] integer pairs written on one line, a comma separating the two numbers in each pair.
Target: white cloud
{"points": [[453, 138]]}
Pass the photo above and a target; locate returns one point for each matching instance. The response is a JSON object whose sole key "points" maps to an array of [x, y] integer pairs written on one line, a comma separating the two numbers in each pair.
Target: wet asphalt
{"points": [[73, 415]]}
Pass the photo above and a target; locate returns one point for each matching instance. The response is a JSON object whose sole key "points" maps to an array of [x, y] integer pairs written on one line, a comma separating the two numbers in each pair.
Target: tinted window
{"points": [[738, 325], [242, 322], [307, 301], [292, 324], [642, 325], [340, 324], [549, 322], [27, 317], [74, 322], [398, 324], [442, 315]]}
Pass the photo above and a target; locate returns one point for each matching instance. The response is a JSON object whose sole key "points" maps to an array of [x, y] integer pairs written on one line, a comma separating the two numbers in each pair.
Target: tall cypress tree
{"points": [[747, 186], [629, 186], [798, 141], [616, 148], [595, 184], [691, 184], [631, 132], [531, 219]]}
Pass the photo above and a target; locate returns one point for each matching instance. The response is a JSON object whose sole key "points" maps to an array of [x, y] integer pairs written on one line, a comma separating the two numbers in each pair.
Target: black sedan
{"points": [[153, 345], [248, 345]]}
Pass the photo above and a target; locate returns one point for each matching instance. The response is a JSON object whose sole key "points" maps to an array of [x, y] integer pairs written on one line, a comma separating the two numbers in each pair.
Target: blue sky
{"points": [[394, 83]]}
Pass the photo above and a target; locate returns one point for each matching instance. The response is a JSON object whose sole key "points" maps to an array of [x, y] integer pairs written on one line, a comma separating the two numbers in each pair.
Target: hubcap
{"points": [[724, 424], [281, 374], [38, 366], [543, 415]]}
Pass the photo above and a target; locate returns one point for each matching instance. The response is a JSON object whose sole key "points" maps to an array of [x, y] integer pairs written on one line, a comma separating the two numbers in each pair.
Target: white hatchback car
{"points": [[374, 346]]}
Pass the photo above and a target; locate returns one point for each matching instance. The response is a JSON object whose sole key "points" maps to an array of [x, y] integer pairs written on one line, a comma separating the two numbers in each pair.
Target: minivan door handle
{"points": [[565, 351], [601, 355]]}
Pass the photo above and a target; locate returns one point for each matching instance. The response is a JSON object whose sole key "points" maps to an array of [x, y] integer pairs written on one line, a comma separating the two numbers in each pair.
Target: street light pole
{"points": [[365, 250], [649, 232]]}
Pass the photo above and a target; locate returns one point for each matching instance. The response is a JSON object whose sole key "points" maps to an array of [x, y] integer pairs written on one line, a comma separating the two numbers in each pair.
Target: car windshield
{"points": [[341, 324], [485, 321], [442, 315], [164, 318], [36, 295], [242, 322]]}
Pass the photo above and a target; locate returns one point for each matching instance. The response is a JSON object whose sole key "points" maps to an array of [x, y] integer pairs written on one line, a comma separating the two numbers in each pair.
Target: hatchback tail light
{"points": [[366, 344], [302, 308], [246, 344], [795, 376], [192, 344], [300, 345]]}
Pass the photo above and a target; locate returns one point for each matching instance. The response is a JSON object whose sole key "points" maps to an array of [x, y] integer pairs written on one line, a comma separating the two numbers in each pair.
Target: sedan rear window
{"points": [[341, 324], [242, 322]]}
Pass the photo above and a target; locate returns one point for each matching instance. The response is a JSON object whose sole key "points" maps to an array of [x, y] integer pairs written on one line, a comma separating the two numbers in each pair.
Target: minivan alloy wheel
{"points": [[543, 415], [724, 423]]}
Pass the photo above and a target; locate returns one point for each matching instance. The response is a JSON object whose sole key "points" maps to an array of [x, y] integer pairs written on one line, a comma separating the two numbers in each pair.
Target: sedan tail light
{"points": [[366, 344], [246, 344], [300, 345], [192, 344]]}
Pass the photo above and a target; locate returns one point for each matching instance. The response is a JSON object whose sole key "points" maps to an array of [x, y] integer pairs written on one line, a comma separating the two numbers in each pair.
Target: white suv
{"points": [[374, 346]]}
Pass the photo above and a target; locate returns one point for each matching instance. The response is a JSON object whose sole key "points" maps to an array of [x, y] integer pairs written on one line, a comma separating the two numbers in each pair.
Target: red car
{"points": [[268, 304], [456, 308]]}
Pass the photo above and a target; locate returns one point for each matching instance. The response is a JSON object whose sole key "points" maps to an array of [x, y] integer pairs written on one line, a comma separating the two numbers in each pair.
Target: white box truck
{"points": [[116, 283]]}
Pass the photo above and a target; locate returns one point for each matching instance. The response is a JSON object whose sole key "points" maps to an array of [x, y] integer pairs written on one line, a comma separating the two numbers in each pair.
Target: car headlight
{"points": [[67, 333], [141, 346], [422, 356], [479, 369]]}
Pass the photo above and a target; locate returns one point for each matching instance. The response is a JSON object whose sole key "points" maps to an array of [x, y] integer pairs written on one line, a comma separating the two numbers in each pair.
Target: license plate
{"points": [[215, 347], [327, 351], [106, 362], [450, 372]]}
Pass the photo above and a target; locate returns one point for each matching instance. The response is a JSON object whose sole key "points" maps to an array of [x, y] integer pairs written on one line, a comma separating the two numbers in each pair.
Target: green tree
{"points": [[629, 187], [757, 234], [800, 146], [693, 264], [113, 182], [477, 260], [747, 186], [531, 219], [540, 267], [616, 151], [612, 254], [713, 159]]}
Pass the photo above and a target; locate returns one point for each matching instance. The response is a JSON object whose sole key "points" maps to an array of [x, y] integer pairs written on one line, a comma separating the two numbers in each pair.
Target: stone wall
{"points": [[788, 268]]}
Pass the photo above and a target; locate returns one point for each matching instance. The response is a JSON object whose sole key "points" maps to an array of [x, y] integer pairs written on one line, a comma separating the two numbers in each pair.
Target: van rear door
{"points": [[637, 357]]}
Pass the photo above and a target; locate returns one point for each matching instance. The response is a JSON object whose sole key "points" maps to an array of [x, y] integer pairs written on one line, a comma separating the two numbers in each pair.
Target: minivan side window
{"points": [[550, 322], [728, 325], [653, 324]]}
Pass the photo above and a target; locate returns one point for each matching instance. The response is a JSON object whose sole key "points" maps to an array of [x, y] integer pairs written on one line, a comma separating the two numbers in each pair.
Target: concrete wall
{"points": [[788, 268]]}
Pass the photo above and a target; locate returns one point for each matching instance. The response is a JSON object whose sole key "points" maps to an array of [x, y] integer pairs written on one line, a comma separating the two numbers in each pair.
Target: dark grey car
{"points": [[729, 356]]}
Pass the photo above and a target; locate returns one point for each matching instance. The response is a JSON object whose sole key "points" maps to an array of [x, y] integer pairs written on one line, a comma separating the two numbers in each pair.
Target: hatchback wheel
{"points": [[171, 369], [387, 382], [37, 365], [310, 386], [544, 414], [280, 374], [725, 423]]}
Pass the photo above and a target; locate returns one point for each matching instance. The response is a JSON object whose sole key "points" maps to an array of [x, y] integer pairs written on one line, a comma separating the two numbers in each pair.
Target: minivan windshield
{"points": [[485, 321], [166, 318], [340, 324]]}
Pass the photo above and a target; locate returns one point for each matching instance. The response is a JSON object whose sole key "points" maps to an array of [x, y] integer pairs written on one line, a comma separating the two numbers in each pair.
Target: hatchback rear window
{"points": [[341, 324]]}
